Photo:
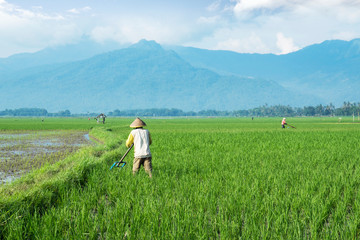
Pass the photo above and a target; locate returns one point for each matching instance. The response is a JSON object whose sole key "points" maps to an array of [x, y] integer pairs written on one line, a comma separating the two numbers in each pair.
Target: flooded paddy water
{"points": [[22, 151]]}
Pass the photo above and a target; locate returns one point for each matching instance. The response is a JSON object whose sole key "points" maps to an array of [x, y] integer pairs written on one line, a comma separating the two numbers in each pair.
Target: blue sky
{"points": [[247, 26]]}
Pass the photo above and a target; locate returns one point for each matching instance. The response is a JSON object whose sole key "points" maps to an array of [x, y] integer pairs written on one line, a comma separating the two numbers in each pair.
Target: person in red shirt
{"points": [[283, 123]]}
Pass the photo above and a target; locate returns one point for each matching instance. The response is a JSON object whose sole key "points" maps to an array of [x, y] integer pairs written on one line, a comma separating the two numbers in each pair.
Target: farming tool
{"points": [[290, 126], [117, 164]]}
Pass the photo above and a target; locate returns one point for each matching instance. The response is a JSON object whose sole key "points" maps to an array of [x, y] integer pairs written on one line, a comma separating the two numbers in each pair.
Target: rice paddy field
{"points": [[213, 178]]}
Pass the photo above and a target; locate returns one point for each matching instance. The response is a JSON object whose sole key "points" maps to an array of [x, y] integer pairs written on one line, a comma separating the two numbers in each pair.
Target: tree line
{"points": [[33, 112], [347, 109]]}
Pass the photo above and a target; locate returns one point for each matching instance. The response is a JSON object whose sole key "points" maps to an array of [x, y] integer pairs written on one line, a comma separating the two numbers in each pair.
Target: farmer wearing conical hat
{"points": [[142, 140]]}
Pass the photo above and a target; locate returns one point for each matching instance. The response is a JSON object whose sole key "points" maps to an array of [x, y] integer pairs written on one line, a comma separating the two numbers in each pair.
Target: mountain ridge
{"points": [[320, 70], [148, 75]]}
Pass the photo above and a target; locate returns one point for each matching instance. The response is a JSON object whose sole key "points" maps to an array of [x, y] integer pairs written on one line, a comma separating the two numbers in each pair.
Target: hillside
{"points": [[143, 75], [84, 49], [329, 70]]}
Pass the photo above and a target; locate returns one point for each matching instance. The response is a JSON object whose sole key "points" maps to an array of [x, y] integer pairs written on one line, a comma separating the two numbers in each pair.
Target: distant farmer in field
{"points": [[283, 123], [102, 116], [142, 140]]}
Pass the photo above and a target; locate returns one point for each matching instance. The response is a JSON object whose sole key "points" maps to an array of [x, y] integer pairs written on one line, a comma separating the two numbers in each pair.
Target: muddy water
{"points": [[22, 151]]}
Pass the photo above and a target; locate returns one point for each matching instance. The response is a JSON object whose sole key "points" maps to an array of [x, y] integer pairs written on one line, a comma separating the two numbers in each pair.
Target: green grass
{"points": [[213, 179]]}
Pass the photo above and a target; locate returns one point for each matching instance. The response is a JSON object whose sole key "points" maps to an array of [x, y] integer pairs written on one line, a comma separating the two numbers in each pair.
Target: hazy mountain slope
{"points": [[329, 70], [141, 76], [86, 48]]}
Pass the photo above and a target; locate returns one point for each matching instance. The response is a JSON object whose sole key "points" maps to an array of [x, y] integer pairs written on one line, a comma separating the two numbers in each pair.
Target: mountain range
{"points": [[89, 77]]}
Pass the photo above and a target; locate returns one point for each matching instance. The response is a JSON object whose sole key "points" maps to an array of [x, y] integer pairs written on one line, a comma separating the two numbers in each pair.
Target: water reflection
{"points": [[20, 152]]}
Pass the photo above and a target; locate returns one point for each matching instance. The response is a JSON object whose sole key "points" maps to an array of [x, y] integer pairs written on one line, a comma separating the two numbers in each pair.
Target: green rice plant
{"points": [[213, 179]]}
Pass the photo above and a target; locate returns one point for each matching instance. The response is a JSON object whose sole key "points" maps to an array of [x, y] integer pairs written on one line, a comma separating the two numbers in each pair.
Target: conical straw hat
{"points": [[137, 123]]}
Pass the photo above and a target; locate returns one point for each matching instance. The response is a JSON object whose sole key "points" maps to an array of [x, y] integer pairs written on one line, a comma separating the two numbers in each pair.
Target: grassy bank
{"points": [[41, 189], [213, 178]]}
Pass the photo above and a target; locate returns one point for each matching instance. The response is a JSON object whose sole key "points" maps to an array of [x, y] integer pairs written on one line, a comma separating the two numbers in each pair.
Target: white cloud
{"points": [[250, 5], [85, 9], [79, 10], [24, 30], [208, 20], [74, 11], [233, 39], [214, 6], [286, 45], [129, 29], [262, 26], [345, 35], [250, 44], [346, 10], [273, 21], [249, 8], [2, 3], [104, 33], [37, 7]]}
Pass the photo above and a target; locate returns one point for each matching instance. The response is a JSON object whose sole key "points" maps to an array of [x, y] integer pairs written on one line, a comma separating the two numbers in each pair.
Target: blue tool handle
{"points": [[114, 165]]}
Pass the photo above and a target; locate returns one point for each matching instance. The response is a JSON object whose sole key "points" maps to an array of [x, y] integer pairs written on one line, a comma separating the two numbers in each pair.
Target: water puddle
{"points": [[87, 137], [13, 135], [20, 152], [5, 178]]}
